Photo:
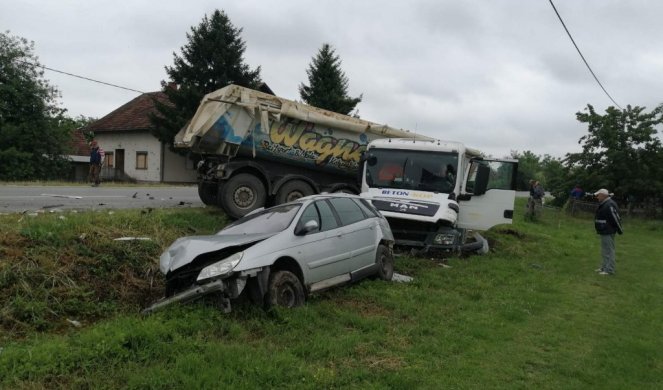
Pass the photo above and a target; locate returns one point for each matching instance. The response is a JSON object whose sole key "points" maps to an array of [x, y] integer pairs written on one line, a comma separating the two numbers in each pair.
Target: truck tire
{"points": [[208, 193], [242, 194], [293, 190]]}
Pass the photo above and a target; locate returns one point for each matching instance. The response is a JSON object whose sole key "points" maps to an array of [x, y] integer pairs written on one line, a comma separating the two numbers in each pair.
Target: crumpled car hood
{"points": [[185, 249]]}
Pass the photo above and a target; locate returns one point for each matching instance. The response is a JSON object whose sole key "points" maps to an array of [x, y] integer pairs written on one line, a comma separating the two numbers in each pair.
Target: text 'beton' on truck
{"points": [[260, 150]]}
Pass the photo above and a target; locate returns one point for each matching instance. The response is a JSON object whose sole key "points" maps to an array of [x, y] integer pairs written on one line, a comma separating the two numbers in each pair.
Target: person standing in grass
{"points": [[607, 222]]}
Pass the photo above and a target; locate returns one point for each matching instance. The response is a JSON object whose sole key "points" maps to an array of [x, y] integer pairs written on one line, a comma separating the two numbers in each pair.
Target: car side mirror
{"points": [[308, 227]]}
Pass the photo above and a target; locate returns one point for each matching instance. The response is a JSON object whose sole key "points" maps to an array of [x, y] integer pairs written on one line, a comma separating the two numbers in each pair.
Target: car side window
{"points": [[348, 211], [368, 208], [327, 216], [309, 214]]}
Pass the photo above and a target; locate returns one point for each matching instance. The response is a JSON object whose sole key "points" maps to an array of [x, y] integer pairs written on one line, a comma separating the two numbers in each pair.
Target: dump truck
{"points": [[259, 150], [437, 195]]}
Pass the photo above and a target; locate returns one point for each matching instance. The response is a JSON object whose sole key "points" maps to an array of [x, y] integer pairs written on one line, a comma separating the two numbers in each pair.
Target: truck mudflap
{"points": [[191, 294]]}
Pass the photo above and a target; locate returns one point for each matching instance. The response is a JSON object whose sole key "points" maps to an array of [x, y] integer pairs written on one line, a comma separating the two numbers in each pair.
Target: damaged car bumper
{"points": [[188, 295], [228, 288]]}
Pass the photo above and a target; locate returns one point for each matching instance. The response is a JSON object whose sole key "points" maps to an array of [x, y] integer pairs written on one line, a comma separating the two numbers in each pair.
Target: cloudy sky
{"points": [[498, 75]]}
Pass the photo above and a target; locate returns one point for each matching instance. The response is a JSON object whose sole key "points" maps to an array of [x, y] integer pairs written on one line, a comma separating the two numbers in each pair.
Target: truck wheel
{"points": [[208, 193], [242, 194], [385, 261], [293, 190], [342, 188], [285, 290]]}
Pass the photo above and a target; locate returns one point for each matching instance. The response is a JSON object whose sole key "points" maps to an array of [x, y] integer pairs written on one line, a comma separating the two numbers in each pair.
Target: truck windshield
{"points": [[412, 170]]}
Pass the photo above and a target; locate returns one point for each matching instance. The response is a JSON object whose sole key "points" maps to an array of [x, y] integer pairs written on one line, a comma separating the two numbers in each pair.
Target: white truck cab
{"points": [[433, 191]]}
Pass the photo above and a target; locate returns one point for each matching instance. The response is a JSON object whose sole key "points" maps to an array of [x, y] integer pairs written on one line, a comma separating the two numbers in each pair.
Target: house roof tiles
{"points": [[134, 115], [78, 145]]}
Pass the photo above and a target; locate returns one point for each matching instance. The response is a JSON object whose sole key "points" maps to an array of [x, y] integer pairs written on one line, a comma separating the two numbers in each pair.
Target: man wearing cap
{"points": [[607, 223]]}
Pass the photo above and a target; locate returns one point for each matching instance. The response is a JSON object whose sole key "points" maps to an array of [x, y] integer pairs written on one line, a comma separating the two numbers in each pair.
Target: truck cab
{"points": [[432, 192]]}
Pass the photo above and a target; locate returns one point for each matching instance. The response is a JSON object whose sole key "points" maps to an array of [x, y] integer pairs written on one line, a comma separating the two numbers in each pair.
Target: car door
{"points": [[321, 253], [357, 233]]}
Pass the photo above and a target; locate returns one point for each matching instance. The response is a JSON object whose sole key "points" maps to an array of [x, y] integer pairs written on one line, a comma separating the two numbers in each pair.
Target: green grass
{"points": [[530, 314]]}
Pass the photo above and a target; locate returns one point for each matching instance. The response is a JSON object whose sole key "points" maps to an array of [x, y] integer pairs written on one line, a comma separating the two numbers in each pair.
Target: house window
{"points": [[141, 160], [109, 160]]}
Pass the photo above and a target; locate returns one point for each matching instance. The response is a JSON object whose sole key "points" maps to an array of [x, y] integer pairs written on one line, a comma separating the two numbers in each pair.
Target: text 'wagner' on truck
{"points": [[259, 149]]}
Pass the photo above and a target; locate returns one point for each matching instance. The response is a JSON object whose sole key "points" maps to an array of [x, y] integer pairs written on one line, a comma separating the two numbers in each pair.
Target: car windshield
{"points": [[272, 220], [412, 170]]}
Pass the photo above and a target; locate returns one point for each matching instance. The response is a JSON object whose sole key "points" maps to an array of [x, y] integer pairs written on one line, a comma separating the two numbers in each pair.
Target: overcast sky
{"points": [[497, 75]]}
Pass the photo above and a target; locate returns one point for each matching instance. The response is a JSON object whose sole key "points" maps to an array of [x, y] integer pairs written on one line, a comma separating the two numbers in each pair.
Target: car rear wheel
{"points": [[385, 261], [285, 290]]}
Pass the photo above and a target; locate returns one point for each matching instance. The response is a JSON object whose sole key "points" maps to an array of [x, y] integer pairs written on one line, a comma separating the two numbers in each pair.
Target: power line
{"points": [[581, 56], [80, 77]]}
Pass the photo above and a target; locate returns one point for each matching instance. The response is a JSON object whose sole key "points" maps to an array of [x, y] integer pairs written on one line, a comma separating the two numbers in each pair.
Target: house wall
{"points": [[176, 168], [133, 142]]}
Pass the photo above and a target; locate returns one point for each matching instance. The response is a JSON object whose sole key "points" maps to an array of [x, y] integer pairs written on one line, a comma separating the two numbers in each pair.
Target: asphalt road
{"points": [[15, 198]]}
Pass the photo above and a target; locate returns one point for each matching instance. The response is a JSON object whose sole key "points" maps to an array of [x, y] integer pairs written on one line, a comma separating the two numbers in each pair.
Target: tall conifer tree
{"points": [[328, 85], [212, 59]]}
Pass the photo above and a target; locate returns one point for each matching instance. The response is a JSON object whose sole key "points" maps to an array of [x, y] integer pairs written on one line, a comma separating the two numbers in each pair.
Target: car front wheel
{"points": [[285, 290], [385, 261]]}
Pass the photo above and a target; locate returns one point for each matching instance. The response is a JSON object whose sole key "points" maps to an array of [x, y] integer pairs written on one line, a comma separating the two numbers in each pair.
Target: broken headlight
{"points": [[220, 268], [445, 238]]}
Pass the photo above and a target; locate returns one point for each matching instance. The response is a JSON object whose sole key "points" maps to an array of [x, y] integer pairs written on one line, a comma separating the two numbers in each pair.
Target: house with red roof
{"points": [[132, 152], [79, 156]]}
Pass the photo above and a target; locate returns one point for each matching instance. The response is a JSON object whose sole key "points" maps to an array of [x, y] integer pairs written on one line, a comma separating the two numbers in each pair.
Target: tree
{"points": [[328, 85], [529, 167], [212, 59], [621, 151], [33, 136]]}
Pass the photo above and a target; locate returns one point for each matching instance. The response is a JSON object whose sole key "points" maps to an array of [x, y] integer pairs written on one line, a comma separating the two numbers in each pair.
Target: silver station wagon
{"points": [[277, 256]]}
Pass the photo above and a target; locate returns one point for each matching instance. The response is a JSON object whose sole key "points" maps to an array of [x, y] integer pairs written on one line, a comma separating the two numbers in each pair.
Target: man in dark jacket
{"points": [[607, 223], [96, 160]]}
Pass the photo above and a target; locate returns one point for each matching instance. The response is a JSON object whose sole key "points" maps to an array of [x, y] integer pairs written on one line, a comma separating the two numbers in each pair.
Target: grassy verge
{"points": [[531, 314]]}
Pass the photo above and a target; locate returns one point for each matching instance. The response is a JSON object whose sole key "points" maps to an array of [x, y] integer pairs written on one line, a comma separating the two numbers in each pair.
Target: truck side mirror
{"points": [[481, 183], [372, 160]]}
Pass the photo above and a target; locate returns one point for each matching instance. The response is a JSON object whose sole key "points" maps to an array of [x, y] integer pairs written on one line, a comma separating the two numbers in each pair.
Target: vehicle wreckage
{"points": [[278, 256]]}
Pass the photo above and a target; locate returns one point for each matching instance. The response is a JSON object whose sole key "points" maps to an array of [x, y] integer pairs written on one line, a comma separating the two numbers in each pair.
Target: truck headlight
{"points": [[445, 239], [220, 268]]}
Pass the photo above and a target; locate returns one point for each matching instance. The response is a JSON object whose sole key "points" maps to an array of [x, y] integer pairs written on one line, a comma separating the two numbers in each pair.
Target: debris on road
{"points": [[63, 196], [52, 206]]}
